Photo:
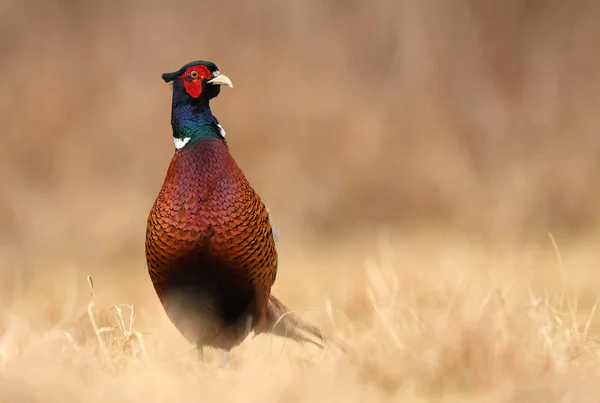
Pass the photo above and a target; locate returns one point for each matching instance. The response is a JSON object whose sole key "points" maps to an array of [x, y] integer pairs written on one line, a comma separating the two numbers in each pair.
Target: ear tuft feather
{"points": [[168, 77]]}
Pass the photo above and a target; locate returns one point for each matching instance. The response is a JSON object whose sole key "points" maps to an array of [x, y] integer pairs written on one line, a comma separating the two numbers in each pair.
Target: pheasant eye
{"points": [[194, 74]]}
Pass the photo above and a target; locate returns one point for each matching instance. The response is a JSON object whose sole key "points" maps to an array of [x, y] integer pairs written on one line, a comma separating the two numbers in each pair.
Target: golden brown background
{"points": [[436, 139]]}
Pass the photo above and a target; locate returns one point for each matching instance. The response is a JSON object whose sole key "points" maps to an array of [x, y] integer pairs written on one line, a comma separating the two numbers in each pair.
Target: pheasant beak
{"points": [[221, 79]]}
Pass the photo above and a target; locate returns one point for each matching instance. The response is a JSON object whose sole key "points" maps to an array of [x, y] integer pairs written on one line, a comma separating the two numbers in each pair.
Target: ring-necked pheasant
{"points": [[210, 248]]}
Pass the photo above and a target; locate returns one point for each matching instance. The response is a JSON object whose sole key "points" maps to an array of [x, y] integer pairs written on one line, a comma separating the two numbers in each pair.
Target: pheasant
{"points": [[210, 247]]}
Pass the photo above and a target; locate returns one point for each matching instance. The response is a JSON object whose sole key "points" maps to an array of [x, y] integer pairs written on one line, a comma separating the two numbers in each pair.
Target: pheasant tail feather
{"points": [[282, 322]]}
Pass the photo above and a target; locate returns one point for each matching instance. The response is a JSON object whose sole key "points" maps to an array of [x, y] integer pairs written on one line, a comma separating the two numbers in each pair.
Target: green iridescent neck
{"points": [[191, 123]]}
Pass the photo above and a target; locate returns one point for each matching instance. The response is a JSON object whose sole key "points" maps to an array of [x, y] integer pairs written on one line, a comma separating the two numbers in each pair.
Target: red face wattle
{"points": [[193, 77]]}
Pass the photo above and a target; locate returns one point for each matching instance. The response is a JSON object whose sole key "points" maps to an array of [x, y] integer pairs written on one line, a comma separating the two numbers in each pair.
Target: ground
{"points": [[425, 319]]}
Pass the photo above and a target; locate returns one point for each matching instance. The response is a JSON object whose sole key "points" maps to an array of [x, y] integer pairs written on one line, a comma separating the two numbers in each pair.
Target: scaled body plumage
{"points": [[209, 236]]}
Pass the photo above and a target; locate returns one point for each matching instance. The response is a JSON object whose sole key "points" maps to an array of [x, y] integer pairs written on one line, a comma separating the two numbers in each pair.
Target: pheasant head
{"points": [[194, 85]]}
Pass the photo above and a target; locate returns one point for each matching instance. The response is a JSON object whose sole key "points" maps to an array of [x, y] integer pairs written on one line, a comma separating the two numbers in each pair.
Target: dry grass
{"points": [[427, 319]]}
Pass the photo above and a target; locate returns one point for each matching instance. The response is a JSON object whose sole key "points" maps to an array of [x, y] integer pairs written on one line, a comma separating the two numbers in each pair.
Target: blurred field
{"points": [[415, 155]]}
